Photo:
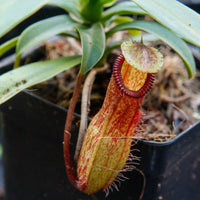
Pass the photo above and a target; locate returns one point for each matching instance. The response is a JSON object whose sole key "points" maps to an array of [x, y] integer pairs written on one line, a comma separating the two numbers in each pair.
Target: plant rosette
{"points": [[92, 27]]}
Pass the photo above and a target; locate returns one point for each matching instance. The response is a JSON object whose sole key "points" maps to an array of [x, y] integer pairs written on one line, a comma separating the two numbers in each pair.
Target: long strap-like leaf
{"points": [[23, 77], [123, 8], [13, 12], [176, 16], [93, 44], [41, 31]]}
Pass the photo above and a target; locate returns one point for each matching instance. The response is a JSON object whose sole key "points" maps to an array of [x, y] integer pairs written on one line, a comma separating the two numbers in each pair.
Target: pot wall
{"points": [[34, 165]]}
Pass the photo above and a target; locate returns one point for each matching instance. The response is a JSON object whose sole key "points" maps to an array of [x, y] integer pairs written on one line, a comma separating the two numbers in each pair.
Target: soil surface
{"points": [[172, 106]]}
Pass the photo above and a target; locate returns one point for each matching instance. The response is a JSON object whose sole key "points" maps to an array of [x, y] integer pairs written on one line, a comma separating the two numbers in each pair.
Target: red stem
{"points": [[67, 135]]}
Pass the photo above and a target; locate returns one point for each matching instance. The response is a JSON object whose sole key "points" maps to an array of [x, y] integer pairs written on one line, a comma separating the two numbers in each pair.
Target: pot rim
{"points": [[173, 140], [147, 142]]}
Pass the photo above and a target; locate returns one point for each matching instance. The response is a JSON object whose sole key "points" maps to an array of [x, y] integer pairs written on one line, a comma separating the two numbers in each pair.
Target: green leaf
{"points": [[123, 8], [108, 3], [43, 30], [116, 44], [91, 10], [93, 44], [177, 17], [12, 12], [125, 19], [69, 5], [70, 33], [164, 34], [8, 45], [23, 77], [122, 19]]}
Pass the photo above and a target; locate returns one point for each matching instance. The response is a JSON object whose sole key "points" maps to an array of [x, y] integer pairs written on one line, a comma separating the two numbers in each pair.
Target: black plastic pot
{"points": [[34, 165]]}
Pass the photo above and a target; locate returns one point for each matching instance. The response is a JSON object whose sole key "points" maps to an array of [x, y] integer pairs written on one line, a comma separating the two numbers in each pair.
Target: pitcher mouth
{"points": [[119, 81]]}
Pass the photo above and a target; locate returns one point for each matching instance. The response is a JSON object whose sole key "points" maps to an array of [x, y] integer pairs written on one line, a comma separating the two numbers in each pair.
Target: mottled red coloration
{"points": [[105, 149], [106, 145]]}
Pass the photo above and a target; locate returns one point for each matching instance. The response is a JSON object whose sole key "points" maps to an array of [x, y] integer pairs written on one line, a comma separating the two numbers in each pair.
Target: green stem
{"points": [[17, 61], [92, 10], [8, 45]]}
